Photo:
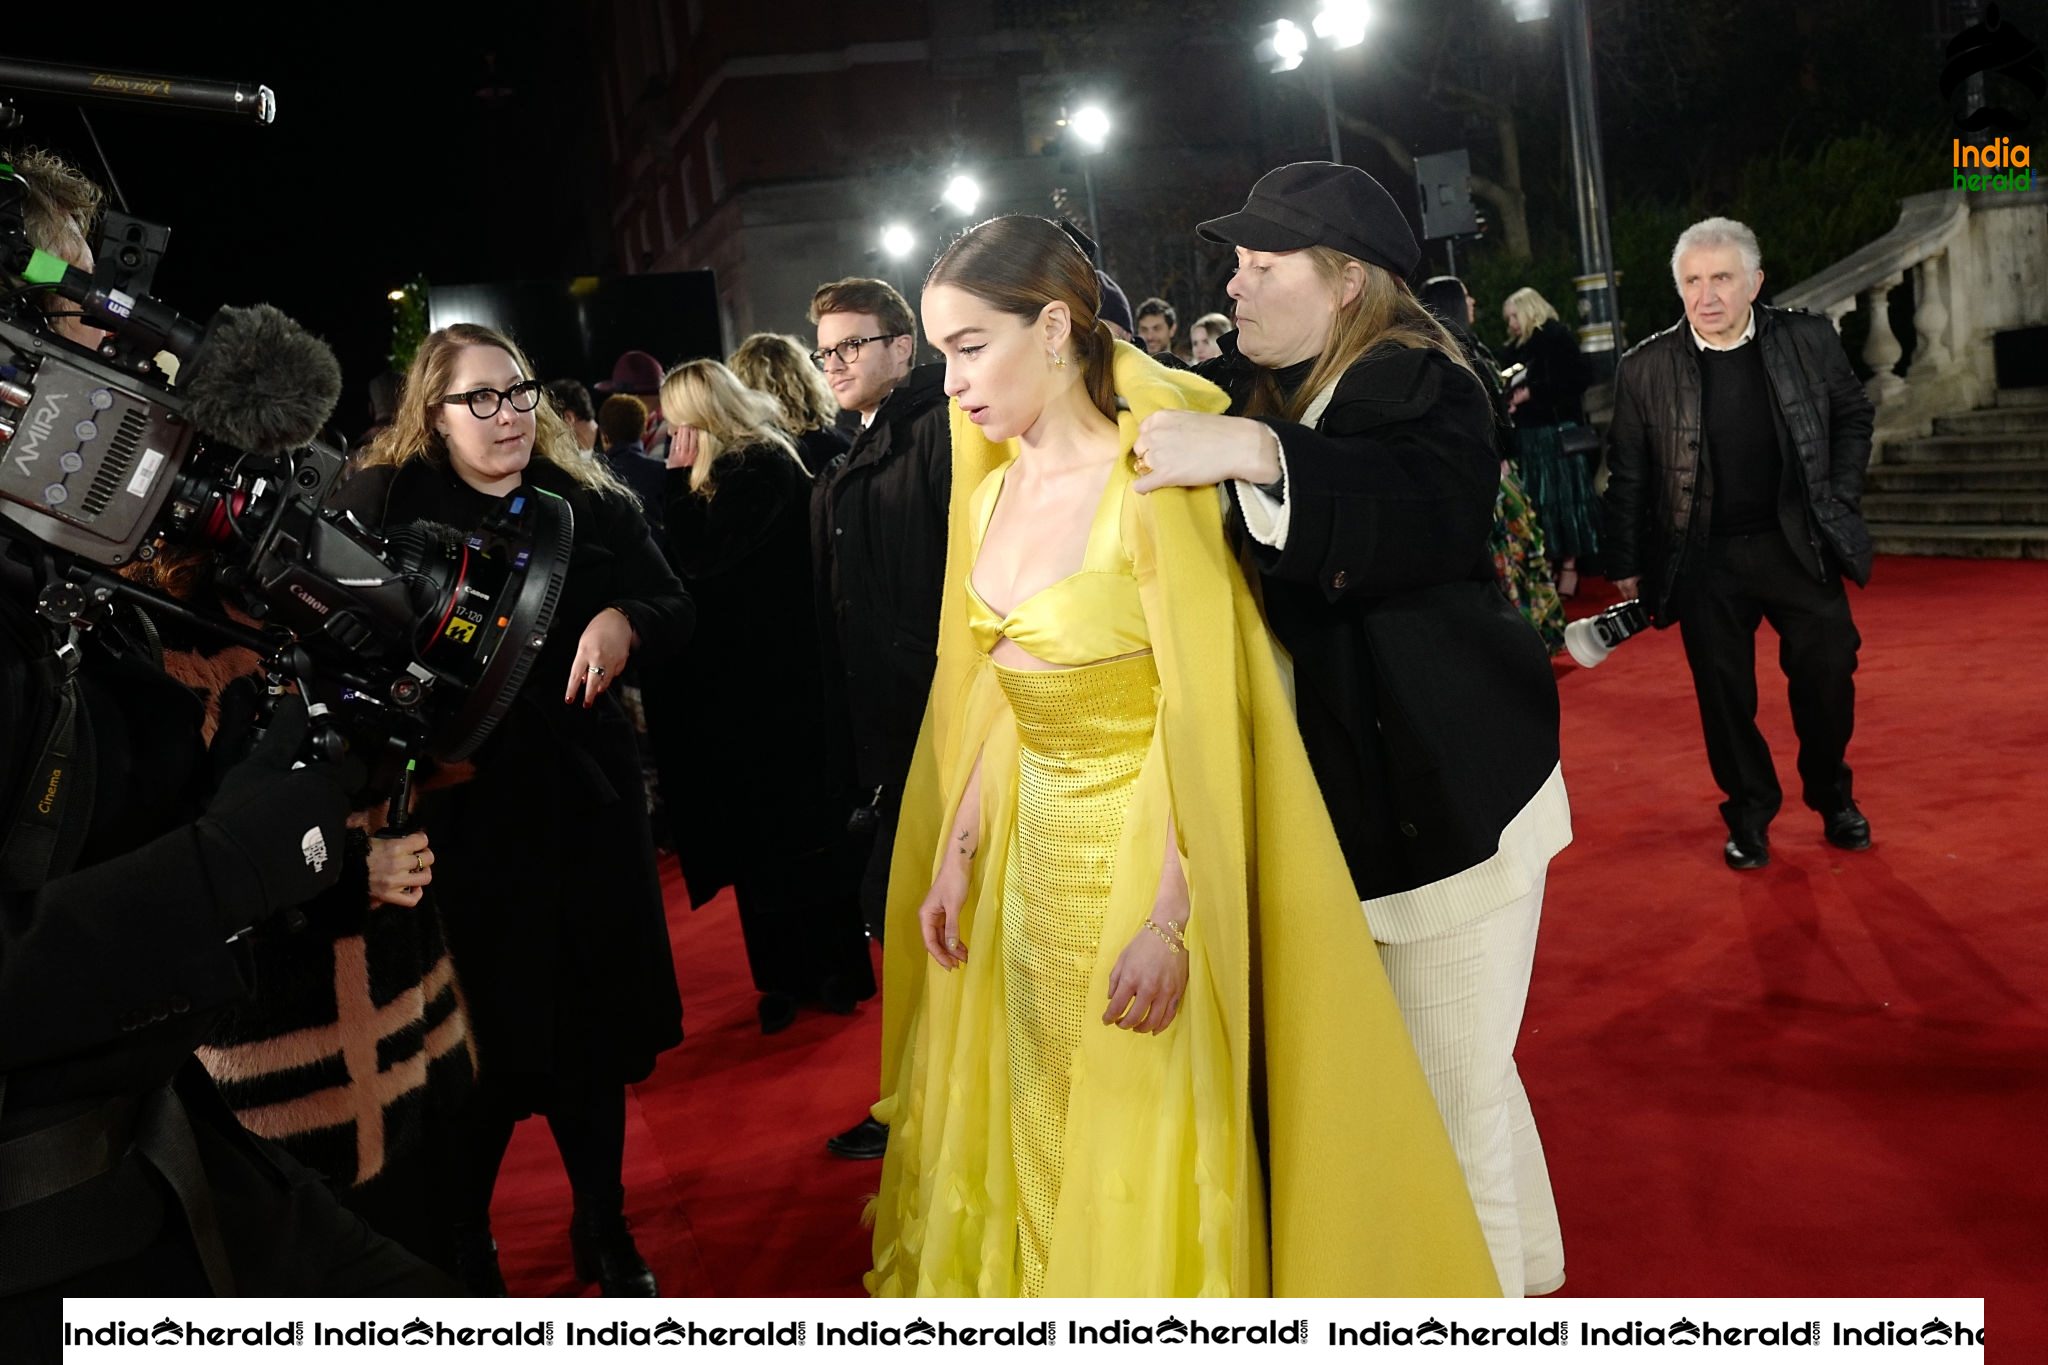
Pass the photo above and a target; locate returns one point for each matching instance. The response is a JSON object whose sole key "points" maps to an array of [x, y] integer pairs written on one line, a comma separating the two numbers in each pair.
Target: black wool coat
{"points": [[740, 712], [878, 539], [1557, 376], [1426, 703], [1656, 492], [544, 860]]}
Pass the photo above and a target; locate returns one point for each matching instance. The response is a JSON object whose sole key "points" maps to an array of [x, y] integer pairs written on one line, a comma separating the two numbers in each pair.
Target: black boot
{"points": [[602, 1252], [476, 1261]]}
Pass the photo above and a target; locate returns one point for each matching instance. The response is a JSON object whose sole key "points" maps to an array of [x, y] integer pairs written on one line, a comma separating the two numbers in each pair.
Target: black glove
{"points": [[273, 835]]}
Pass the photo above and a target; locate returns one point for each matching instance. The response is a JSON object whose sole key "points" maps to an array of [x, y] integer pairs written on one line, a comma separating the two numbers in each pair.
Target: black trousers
{"points": [[587, 1117], [874, 884], [1738, 582]]}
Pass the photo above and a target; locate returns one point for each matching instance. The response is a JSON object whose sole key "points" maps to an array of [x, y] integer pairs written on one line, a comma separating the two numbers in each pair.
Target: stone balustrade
{"points": [[1978, 262]]}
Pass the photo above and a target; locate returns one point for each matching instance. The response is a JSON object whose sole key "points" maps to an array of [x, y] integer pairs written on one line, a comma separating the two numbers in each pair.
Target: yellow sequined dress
{"points": [[1083, 729], [1276, 1138]]}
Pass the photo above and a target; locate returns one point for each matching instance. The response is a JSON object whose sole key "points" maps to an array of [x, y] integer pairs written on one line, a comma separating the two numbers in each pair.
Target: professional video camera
{"points": [[415, 643]]}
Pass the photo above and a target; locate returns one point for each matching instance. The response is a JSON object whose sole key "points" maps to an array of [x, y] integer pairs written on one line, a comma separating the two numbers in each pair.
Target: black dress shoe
{"points": [[476, 1262], [865, 1141], [1744, 852], [776, 1012], [603, 1254], [1848, 829]]}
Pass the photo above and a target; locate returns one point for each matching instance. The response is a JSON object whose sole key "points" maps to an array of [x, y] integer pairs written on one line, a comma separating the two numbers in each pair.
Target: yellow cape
{"points": [[1306, 1149]]}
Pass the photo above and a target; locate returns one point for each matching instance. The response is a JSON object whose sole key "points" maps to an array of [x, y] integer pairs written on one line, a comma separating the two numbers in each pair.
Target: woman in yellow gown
{"points": [[1136, 1037]]}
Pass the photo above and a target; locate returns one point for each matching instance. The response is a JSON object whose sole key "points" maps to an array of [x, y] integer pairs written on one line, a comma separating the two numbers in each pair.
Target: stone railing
{"points": [[1978, 265]]}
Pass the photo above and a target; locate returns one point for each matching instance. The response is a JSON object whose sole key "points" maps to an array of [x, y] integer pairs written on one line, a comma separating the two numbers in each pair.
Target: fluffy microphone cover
{"points": [[260, 381]]}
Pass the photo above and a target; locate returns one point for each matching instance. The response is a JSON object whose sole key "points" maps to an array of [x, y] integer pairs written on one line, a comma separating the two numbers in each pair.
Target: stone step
{"points": [[2004, 509], [2000, 476], [1994, 421], [1966, 449], [2022, 398], [1962, 542]]}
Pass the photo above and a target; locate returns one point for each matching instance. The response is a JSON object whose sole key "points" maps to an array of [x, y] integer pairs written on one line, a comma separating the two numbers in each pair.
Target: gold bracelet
{"points": [[1171, 935]]}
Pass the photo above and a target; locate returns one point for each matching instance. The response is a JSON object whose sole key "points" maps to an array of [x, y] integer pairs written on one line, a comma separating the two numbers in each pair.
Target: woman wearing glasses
{"points": [[544, 860]]}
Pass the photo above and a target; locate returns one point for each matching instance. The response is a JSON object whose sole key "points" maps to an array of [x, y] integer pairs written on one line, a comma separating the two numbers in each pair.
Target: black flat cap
{"points": [[1320, 203]]}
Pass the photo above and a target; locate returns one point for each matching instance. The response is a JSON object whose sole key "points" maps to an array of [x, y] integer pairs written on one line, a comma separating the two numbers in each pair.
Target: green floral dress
{"points": [[1521, 564]]}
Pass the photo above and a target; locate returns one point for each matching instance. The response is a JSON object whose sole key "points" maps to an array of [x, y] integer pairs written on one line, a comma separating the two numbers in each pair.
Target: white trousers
{"points": [[1462, 995]]}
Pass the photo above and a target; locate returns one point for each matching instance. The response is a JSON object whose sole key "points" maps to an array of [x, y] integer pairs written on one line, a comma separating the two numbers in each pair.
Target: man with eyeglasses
{"points": [[878, 532]]}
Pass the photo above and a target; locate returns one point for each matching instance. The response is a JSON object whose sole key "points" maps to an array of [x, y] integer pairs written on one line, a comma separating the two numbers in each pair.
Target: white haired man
{"points": [[1737, 453]]}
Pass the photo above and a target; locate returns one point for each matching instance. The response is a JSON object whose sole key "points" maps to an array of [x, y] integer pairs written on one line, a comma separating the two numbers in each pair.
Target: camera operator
{"points": [[127, 870]]}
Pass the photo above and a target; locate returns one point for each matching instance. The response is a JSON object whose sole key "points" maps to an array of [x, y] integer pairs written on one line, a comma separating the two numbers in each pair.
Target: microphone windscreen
{"points": [[261, 382]]}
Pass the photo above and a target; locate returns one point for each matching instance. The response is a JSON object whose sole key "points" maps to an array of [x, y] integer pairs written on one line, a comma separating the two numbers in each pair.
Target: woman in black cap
{"points": [[1360, 459]]}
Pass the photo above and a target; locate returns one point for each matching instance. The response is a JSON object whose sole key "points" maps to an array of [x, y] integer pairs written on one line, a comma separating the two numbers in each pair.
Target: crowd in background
{"points": [[767, 751]]}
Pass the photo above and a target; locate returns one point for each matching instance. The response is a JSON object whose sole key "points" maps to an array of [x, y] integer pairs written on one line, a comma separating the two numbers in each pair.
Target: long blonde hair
{"points": [[780, 366], [1531, 311], [1385, 313], [412, 436], [727, 415]]}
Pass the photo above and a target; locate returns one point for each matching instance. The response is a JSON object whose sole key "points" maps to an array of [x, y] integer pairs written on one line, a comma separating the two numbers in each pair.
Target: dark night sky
{"points": [[383, 162]]}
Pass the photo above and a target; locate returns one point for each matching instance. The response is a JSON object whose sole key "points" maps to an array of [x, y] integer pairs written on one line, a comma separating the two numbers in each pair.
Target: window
{"points": [[689, 192], [714, 162], [668, 235]]}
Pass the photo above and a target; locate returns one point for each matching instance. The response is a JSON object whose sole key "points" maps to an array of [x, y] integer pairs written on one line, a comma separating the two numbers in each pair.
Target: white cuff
{"points": [[1266, 516]]}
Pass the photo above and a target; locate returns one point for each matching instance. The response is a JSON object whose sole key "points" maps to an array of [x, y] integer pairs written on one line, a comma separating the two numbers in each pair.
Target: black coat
{"points": [[1557, 376], [545, 860], [642, 473], [878, 538], [1655, 516], [1426, 703], [820, 446], [741, 716], [114, 968]]}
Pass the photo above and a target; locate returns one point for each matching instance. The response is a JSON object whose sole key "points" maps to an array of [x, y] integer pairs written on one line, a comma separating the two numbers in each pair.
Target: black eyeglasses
{"points": [[485, 402], [850, 348]]}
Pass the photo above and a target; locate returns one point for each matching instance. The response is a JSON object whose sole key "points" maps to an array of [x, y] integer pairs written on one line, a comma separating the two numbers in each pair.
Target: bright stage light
{"points": [[1342, 23], [1090, 124], [962, 193], [898, 241]]}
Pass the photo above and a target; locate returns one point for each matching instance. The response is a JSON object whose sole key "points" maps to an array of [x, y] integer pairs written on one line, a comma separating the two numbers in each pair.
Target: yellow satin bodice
{"points": [[1086, 617]]}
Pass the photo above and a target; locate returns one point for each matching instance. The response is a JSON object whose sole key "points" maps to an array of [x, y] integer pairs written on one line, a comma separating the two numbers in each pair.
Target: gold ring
{"points": [[1143, 465], [419, 862]]}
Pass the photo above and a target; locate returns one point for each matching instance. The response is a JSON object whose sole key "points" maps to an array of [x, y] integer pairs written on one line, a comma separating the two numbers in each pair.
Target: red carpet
{"points": [[1819, 1079]]}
